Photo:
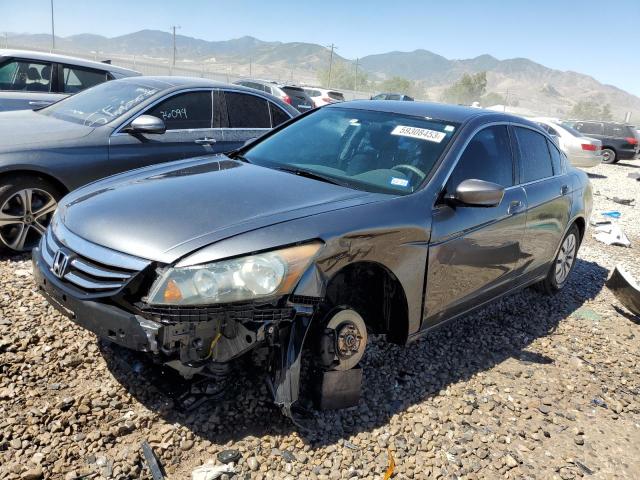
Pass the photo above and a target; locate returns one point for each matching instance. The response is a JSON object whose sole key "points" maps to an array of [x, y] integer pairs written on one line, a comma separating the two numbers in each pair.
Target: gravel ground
{"points": [[530, 387]]}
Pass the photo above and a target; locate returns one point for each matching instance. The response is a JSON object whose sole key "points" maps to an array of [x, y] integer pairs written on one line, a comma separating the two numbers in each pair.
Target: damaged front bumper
{"points": [[190, 338]]}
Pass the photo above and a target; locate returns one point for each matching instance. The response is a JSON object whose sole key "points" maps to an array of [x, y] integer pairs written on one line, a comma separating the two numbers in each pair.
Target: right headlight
{"points": [[245, 278]]}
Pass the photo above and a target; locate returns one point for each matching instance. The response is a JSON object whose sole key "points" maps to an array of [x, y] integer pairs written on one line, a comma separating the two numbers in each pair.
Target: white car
{"points": [[322, 96], [582, 152]]}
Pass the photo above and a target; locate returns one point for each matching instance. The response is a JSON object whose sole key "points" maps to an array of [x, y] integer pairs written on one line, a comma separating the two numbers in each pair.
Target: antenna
{"points": [[332, 47]]}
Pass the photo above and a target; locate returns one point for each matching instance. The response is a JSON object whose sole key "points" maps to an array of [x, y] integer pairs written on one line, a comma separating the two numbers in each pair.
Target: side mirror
{"points": [[478, 193], [147, 124]]}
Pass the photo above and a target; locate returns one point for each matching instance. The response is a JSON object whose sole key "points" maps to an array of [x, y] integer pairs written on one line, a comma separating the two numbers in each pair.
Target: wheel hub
{"points": [[348, 340]]}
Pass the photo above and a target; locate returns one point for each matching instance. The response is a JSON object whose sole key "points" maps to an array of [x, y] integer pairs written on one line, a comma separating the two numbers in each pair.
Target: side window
{"points": [[26, 76], [185, 110], [534, 155], [616, 131], [277, 115], [486, 157], [556, 159], [589, 127], [76, 79], [247, 111]]}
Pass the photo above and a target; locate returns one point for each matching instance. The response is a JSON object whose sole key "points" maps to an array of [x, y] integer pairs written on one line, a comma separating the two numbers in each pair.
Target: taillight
{"points": [[591, 148], [631, 140], [286, 99], [327, 100]]}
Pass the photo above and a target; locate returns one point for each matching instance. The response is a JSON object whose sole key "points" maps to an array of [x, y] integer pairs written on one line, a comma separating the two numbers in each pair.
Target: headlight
{"points": [[245, 278]]}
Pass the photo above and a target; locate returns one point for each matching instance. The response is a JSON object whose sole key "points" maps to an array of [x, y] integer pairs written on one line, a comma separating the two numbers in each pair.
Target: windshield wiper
{"points": [[309, 174]]}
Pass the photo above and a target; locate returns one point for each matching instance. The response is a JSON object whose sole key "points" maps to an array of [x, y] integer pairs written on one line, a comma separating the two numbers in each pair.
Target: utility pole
{"points": [[355, 80], [6, 39], [53, 33], [173, 27], [332, 47]]}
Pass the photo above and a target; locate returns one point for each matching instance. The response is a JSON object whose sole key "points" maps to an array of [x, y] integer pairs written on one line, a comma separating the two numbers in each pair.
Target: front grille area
{"points": [[240, 313], [100, 272]]}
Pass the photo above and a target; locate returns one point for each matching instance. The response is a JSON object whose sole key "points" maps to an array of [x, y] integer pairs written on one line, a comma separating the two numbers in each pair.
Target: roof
{"points": [[54, 57], [440, 111]]}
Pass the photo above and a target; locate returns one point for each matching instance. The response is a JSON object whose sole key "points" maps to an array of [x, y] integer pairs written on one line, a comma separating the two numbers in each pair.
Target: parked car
{"points": [[392, 96], [30, 80], [582, 151], [291, 94], [619, 141], [322, 96], [113, 127], [356, 218]]}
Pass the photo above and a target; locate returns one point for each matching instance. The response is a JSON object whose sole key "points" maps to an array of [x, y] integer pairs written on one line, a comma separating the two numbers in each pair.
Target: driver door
{"points": [[188, 117], [474, 251]]}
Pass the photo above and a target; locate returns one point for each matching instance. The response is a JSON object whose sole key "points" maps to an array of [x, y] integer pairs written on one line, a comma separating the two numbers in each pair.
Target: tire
{"points": [[20, 227], [609, 156], [563, 263]]}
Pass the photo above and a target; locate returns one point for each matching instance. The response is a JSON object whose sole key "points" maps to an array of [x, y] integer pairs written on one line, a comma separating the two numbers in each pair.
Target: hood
{"points": [[164, 213], [26, 128]]}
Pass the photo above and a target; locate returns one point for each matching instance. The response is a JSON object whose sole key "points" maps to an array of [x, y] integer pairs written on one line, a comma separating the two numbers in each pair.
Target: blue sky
{"points": [[593, 37]]}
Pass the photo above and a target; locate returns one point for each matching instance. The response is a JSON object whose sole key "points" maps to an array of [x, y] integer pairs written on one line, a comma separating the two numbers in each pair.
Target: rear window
{"points": [[534, 154], [571, 130], [336, 96], [312, 93], [247, 111]]}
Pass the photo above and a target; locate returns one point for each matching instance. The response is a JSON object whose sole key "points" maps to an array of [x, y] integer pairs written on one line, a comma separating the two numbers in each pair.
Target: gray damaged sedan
{"points": [[113, 127], [357, 218]]}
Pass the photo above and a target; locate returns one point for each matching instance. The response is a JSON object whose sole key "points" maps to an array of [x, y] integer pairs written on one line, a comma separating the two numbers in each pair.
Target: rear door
{"points": [[548, 189], [26, 84], [188, 116], [474, 251], [248, 116]]}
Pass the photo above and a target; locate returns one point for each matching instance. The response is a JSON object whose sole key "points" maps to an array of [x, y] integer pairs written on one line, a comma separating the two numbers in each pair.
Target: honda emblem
{"points": [[60, 263]]}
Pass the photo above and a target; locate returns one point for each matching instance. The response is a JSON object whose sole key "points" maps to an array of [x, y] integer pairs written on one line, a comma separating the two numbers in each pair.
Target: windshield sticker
{"points": [[419, 133], [401, 182], [449, 128]]}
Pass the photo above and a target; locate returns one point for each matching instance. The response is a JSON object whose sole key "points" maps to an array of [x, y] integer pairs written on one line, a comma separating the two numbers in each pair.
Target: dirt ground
{"points": [[529, 387]]}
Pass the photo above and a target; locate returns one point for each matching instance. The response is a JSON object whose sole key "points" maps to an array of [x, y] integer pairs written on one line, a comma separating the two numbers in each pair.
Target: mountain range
{"points": [[523, 81]]}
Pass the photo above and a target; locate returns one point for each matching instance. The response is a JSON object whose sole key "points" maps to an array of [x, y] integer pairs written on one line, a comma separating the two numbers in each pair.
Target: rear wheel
{"points": [[609, 156], [26, 207], [564, 262]]}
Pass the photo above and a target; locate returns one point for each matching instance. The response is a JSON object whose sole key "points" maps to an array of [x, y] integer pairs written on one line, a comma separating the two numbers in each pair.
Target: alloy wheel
{"points": [[566, 257], [24, 217]]}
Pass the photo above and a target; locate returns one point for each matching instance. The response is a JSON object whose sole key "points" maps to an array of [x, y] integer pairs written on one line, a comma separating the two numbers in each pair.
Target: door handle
{"points": [[514, 207], [564, 189], [206, 141]]}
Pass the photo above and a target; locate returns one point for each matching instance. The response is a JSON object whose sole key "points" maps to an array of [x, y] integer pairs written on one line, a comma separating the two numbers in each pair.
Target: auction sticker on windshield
{"points": [[419, 133]]}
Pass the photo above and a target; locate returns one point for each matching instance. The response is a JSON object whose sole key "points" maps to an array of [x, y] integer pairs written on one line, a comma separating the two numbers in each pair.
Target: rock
{"points": [[229, 456], [32, 474], [15, 444], [579, 440], [510, 462], [253, 464]]}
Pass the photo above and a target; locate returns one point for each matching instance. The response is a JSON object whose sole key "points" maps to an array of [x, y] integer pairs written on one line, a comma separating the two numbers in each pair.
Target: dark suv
{"points": [[619, 141]]}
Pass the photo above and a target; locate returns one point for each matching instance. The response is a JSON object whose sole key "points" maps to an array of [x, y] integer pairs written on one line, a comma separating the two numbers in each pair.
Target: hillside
{"points": [[527, 83]]}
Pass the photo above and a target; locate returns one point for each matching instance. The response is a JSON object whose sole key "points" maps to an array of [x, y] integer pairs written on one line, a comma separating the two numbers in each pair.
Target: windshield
{"points": [[371, 151], [570, 129], [101, 104]]}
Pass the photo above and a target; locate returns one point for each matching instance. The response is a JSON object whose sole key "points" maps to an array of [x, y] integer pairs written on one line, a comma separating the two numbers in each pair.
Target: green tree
{"points": [[396, 85], [591, 110], [343, 75], [468, 89]]}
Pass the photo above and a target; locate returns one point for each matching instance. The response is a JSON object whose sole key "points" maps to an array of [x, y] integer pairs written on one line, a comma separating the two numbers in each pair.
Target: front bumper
{"points": [[106, 321], [192, 336]]}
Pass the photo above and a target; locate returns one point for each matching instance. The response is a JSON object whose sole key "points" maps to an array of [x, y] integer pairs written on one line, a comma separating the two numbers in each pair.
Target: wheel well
{"points": [[376, 294], [581, 224], [610, 148], [33, 173]]}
